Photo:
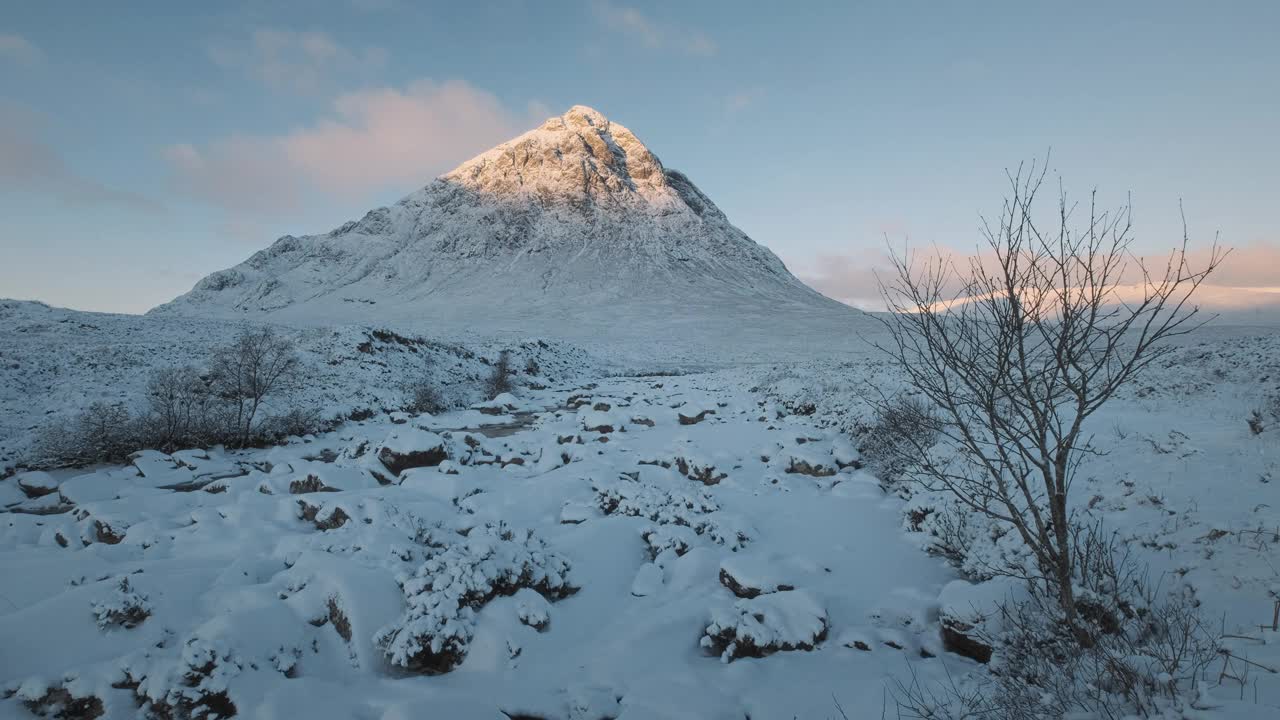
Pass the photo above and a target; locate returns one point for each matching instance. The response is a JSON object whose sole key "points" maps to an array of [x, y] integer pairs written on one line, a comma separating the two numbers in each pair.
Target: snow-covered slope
{"points": [[574, 228], [56, 362]]}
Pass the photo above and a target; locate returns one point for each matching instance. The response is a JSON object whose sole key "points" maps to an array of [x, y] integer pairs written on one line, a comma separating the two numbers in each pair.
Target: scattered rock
{"points": [[705, 474], [694, 419], [309, 484], [748, 576], [957, 637], [324, 518], [341, 623], [411, 448], [781, 621], [36, 484], [57, 702], [104, 533]]}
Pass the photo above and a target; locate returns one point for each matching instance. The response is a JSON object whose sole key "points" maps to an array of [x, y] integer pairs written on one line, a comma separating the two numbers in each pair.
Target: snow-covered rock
{"points": [[748, 575], [443, 594], [410, 447], [763, 625], [36, 483]]}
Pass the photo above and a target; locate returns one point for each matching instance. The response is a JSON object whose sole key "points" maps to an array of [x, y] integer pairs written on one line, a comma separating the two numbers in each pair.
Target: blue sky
{"points": [[144, 145]]}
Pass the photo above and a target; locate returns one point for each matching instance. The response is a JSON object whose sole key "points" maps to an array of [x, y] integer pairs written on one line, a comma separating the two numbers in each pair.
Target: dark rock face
{"points": [[957, 637], [694, 419], [399, 462]]}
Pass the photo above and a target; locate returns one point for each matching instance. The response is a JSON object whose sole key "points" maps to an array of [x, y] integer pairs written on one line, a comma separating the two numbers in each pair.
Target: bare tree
{"points": [[1017, 350], [258, 364], [179, 407]]}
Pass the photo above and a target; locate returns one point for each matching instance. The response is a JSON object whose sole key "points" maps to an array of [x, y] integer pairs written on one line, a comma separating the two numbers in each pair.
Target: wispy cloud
{"points": [[304, 62], [739, 101], [29, 164], [1250, 273], [380, 139], [16, 48], [629, 21], [849, 279]]}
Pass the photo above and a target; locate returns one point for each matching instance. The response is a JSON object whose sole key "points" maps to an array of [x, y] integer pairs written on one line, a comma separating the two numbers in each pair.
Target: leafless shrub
{"points": [[499, 380], [258, 364], [1148, 661], [953, 534], [292, 422], [423, 396], [180, 409], [1027, 349], [101, 432], [184, 407], [901, 431], [1140, 655], [956, 699]]}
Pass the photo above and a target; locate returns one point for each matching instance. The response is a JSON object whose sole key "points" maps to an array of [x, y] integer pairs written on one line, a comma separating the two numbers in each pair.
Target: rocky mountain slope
{"points": [[572, 228]]}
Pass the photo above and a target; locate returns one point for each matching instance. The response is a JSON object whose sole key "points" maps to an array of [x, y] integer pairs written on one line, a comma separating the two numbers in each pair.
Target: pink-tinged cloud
{"points": [[18, 49], [1249, 276], [392, 138], [385, 139], [297, 61]]}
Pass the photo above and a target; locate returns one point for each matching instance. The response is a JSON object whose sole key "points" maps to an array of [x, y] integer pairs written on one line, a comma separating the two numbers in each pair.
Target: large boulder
{"points": [[410, 447], [969, 613], [36, 484]]}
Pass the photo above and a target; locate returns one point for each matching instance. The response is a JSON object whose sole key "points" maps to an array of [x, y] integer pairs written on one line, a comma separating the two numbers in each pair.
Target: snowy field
{"points": [[305, 580], [696, 546], [55, 362]]}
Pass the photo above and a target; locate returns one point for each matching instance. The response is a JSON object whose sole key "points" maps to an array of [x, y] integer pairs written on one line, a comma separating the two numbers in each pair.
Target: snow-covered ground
{"points": [[55, 362], [1181, 477], [602, 547], [568, 572]]}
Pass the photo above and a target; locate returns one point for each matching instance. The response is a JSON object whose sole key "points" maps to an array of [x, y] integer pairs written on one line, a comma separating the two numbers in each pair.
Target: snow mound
{"points": [[763, 625], [444, 593]]}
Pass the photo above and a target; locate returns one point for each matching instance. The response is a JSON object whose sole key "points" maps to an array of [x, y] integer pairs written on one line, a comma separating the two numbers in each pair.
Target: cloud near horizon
{"points": [[372, 140], [852, 279]]}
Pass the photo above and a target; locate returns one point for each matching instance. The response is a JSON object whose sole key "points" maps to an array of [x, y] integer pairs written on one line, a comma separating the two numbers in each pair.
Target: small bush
{"points": [[499, 380], [292, 422], [259, 364], [100, 433], [423, 396], [125, 608], [181, 410], [902, 430], [1133, 651], [184, 407]]}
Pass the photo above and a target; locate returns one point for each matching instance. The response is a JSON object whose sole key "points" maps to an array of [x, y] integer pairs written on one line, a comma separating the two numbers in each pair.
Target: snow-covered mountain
{"points": [[572, 226]]}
